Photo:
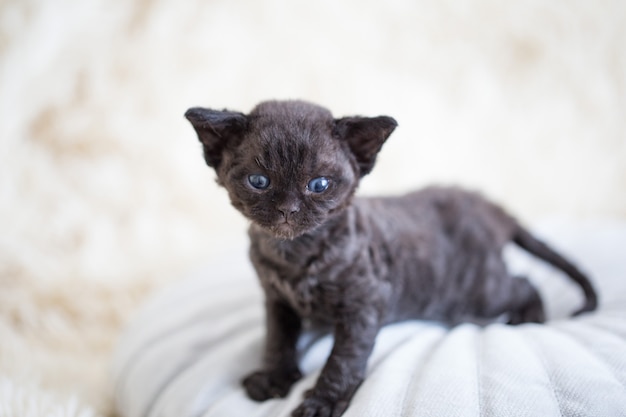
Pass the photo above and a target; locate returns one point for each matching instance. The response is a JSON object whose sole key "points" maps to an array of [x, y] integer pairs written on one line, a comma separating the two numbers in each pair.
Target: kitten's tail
{"points": [[527, 241]]}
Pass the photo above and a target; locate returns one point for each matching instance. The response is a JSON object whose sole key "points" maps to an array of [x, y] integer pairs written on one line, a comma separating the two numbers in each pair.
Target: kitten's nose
{"points": [[288, 209]]}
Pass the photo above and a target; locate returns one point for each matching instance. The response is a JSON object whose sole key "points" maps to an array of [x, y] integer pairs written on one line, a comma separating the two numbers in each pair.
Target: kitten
{"points": [[356, 264]]}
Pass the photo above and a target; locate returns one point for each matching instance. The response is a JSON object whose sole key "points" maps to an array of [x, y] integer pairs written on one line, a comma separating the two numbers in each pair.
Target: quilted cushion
{"points": [[187, 350]]}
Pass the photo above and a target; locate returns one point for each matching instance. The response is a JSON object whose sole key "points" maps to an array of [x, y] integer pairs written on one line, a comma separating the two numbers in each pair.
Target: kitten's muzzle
{"points": [[283, 230], [288, 210]]}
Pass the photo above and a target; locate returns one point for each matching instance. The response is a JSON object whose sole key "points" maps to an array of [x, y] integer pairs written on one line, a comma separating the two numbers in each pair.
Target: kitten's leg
{"points": [[280, 368], [500, 293], [345, 369], [528, 307], [514, 296]]}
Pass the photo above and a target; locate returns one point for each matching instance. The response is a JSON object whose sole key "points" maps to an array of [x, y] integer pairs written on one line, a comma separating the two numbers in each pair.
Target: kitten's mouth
{"points": [[286, 230]]}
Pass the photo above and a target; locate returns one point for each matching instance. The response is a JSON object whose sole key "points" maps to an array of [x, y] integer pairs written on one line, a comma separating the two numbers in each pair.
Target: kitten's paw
{"points": [[320, 407], [266, 384], [530, 314]]}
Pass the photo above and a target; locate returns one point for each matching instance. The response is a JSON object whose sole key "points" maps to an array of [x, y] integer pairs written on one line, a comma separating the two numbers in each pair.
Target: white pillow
{"points": [[186, 352]]}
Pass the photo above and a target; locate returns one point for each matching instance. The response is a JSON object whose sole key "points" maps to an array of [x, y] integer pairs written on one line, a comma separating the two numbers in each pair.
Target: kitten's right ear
{"points": [[215, 130]]}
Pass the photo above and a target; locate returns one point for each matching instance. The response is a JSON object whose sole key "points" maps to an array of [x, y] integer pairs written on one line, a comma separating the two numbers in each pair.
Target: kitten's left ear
{"points": [[365, 137], [216, 129]]}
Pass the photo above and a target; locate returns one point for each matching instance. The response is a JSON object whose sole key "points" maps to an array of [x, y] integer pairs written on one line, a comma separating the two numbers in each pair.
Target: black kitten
{"points": [[356, 264]]}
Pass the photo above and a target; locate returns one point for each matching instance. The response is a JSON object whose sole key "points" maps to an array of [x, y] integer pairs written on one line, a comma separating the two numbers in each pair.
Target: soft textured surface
{"points": [[186, 352], [103, 192]]}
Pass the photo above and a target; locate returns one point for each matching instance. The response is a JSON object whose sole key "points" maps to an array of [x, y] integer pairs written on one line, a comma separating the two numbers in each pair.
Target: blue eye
{"points": [[318, 185], [258, 181]]}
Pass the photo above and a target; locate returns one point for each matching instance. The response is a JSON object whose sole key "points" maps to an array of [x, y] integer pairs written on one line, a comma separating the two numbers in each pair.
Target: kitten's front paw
{"points": [[263, 385], [320, 407]]}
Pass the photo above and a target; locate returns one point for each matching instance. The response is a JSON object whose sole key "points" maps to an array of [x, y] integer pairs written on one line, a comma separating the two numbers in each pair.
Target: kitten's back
{"points": [[448, 210]]}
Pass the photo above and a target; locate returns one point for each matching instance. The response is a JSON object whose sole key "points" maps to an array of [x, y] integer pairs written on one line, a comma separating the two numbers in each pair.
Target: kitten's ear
{"points": [[215, 130], [365, 136]]}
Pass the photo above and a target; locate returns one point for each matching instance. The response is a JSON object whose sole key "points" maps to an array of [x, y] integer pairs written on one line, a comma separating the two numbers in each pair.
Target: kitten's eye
{"points": [[318, 185], [258, 181]]}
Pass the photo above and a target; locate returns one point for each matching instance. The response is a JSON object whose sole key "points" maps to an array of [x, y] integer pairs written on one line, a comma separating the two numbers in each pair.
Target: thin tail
{"points": [[525, 240]]}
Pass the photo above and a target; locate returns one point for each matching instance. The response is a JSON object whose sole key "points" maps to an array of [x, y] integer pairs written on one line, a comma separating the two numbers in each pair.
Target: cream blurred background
{"points": [[104, 195]]}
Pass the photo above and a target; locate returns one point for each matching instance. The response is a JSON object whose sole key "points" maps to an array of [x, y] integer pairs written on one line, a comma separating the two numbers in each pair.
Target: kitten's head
{"points": [[289, 165]]}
